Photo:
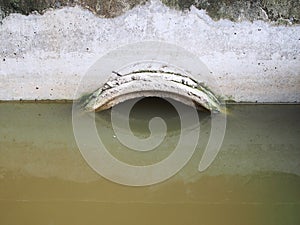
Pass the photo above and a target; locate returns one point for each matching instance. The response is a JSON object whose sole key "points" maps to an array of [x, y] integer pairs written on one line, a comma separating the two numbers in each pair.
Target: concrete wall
{"points": [[278, 11], [44, 56]]}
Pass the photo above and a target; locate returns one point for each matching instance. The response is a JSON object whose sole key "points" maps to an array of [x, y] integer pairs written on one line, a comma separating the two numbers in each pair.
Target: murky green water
{"points": [[255, 178]]}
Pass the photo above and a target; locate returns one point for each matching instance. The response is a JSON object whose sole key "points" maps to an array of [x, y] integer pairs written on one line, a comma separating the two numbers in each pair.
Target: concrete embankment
{"points": [[253, 57]]}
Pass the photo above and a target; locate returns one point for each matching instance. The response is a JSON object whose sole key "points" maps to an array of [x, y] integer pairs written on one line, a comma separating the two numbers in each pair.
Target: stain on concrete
{"points": [[104, 8], [279, 11]]}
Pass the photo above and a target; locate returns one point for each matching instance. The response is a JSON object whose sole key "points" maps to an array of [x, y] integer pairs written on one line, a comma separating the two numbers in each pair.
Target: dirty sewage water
{"points": [[255, 178]]}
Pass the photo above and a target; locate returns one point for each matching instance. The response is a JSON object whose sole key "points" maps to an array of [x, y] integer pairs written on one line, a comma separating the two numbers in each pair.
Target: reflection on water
{"points": [[140, 115], [254, 179]]}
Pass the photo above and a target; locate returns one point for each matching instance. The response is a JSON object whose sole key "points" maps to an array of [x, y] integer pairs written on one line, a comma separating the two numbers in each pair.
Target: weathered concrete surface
{"points": [[148, 84], [281, 11], [104, 8], [45, 56]]}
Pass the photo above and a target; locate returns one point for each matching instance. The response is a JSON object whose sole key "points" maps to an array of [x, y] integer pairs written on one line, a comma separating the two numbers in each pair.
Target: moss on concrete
{"points": [[281, 11], [104, 8], [238, 10]]}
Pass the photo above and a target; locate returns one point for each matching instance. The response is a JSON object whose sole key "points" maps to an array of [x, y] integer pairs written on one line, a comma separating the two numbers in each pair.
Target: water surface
{"points": [[255, 178]]}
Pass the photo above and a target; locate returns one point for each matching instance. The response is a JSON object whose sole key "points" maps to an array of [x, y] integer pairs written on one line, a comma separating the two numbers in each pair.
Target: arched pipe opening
{"points": [[151, 84]]}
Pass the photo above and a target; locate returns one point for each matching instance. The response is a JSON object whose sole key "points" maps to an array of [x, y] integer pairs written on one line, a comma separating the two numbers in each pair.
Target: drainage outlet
{"points": [[151, 83]]}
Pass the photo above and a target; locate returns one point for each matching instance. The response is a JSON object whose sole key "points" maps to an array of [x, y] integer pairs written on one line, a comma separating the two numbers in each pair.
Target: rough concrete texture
{"points": [[150, 84], [281, 11], [104, 8], [45, 56]]}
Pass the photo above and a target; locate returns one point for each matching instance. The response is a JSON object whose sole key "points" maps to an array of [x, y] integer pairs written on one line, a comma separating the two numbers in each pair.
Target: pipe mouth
{"points": [[151, 83]]}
